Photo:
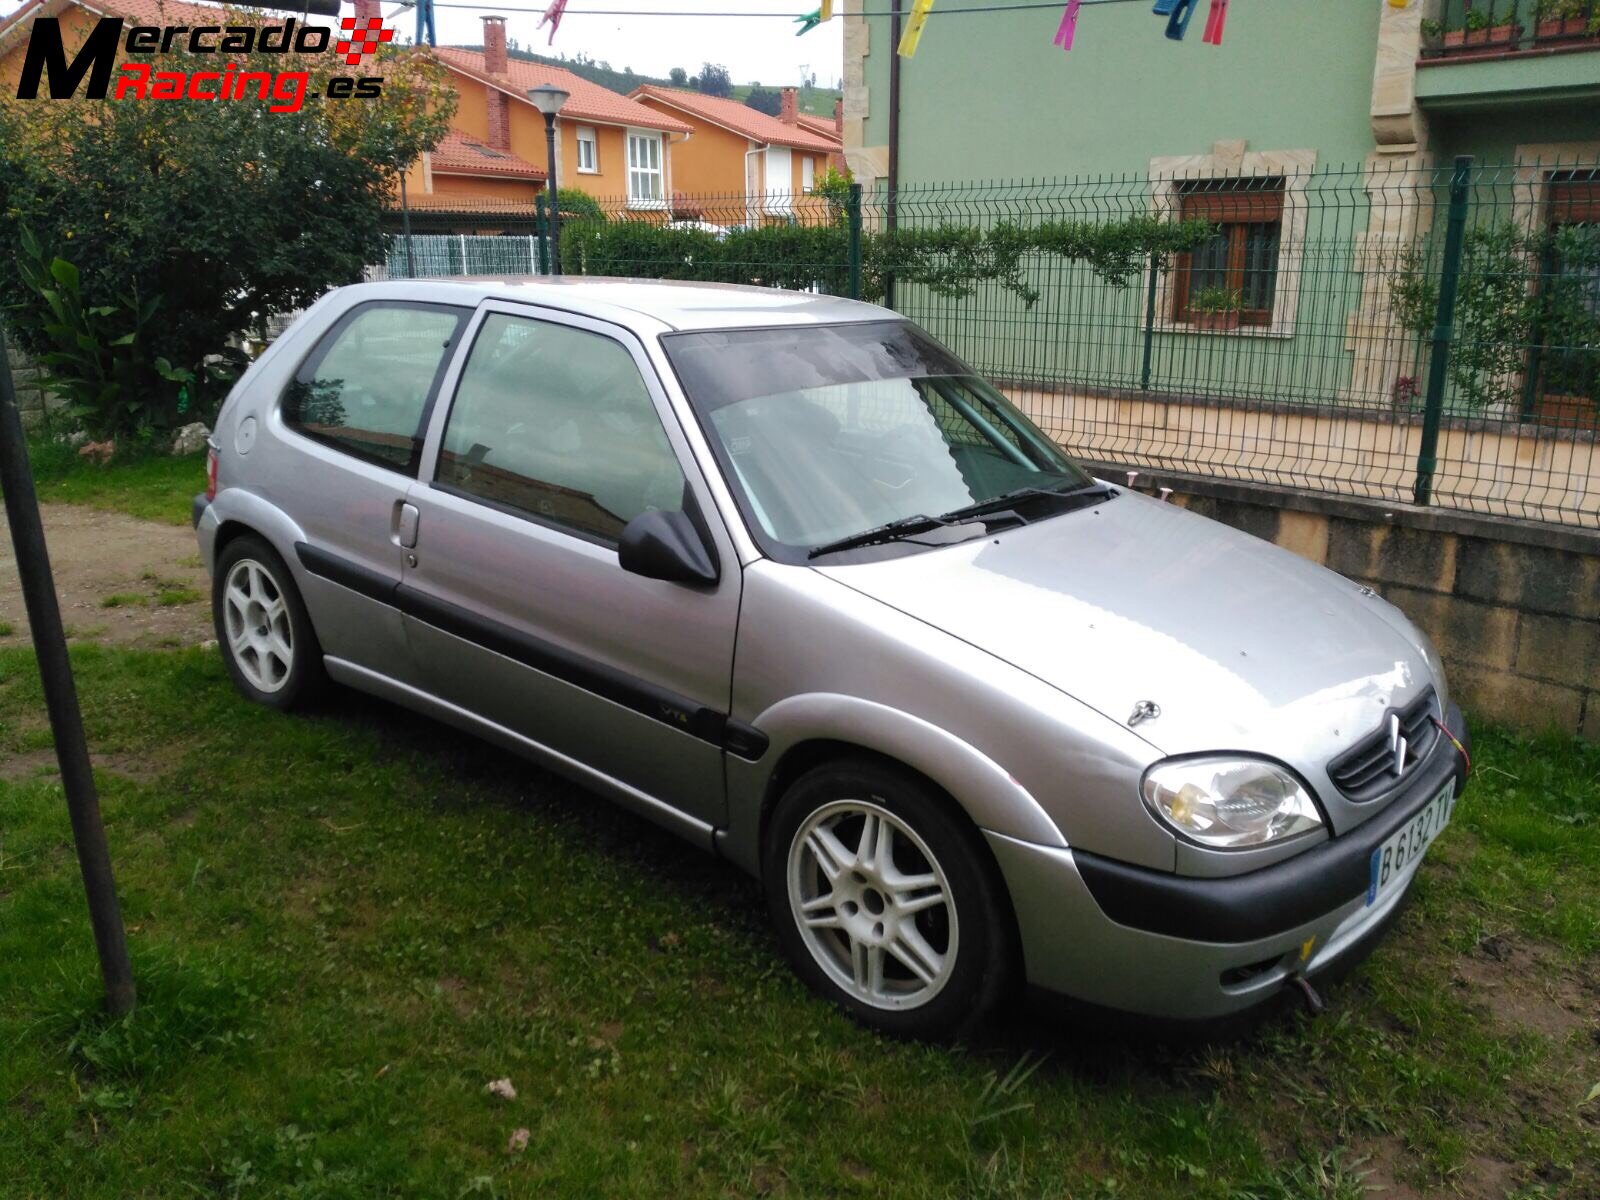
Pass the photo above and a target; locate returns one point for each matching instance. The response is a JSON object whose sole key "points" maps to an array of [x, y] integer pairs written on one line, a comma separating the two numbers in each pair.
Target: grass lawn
{"points": [[156, 487], [346, 924]]}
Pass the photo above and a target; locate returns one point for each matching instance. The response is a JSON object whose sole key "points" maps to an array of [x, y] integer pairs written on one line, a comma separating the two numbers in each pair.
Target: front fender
{"points": [[985, 790]]}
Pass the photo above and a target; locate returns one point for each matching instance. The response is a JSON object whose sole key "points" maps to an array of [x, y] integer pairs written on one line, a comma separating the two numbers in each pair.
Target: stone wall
{"points": [[31, 394], [1513, 607]]}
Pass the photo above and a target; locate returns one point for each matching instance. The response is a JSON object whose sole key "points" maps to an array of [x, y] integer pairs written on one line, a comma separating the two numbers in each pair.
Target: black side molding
{"points": [[1275, 899], [600, 679]]}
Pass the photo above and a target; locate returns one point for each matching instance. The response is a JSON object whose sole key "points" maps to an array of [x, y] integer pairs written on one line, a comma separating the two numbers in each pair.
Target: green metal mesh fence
{"points": [[1283, 328]]}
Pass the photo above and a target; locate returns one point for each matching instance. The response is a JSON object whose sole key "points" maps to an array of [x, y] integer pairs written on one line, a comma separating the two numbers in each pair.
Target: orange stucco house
{"points": [[616, 149], [736, 151], [78, 17]]}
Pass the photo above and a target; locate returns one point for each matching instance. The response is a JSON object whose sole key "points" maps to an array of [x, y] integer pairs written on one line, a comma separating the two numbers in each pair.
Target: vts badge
{"points": [[97, 58]]}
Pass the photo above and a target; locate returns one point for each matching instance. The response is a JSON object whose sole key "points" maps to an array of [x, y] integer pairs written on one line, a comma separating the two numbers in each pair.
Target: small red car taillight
{"points": [[211, 473]]}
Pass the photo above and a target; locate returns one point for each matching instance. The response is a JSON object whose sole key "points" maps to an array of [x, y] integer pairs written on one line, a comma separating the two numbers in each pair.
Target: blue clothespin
{"points": [[425, 27], [1164, 8], [1178, 21], [808, 22]]}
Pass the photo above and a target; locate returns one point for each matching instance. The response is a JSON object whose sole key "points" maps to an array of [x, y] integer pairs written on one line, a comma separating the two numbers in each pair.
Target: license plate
{"points": [[1409, 843]]}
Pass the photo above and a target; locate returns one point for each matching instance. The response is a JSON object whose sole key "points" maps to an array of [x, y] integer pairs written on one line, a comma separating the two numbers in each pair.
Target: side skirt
{"points": [[631, 798]]}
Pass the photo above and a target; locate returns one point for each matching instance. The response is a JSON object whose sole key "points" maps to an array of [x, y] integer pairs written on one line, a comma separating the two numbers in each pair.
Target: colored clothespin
{"points": [[826, 10], [1069, 25], [426, 32], [1178, 21], [913, 32], [1164, 8], [553, 15], [1399, 3], [1215, 20], [809, 22]]}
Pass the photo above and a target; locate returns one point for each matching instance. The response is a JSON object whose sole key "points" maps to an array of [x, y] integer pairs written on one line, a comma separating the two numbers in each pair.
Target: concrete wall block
{"points": [[1591, 719], [1304, 533], [1419, 558], [1559, 582], [1492, 695], [1353, 547], [1560, 649], [1255, 519], [1467, 633]]}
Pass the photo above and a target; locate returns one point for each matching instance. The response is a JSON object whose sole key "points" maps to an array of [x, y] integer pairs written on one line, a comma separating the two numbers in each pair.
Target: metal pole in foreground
{"points": [[61, 698]]}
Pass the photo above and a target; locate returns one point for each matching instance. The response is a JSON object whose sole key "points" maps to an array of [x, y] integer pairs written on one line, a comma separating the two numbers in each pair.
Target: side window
{"points": [[557, 423], [365, 388]]}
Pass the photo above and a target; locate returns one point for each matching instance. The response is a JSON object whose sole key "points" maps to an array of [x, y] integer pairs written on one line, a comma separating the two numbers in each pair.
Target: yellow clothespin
{"points": [[826, 11], [913, 33], [1399, 3]]}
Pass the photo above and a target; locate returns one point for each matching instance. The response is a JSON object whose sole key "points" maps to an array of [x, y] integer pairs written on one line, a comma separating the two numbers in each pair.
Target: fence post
{"points": [[853, 212], [1444, 325], [462, 238], [405, 229], [1149, 322], [539, 226]]}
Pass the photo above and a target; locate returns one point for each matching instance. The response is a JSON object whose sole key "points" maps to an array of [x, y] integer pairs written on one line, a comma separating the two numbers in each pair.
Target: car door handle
{"points": [[406, 521]]}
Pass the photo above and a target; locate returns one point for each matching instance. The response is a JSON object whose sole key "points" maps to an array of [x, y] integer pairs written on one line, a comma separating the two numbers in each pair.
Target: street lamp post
{"points": [[548, 99]]}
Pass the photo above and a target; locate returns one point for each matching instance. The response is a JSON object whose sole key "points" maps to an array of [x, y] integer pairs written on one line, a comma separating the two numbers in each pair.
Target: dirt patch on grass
{"points": [[1523, 988], [121, 580], [27, 764]]}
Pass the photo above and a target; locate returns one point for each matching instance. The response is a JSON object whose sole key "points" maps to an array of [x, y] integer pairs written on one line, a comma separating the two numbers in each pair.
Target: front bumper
{"points": [[1184, 948]]}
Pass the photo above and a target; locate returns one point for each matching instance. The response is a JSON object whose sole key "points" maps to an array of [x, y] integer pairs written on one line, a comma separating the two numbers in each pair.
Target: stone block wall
{"points": [[32, 396], [1513, 607]]}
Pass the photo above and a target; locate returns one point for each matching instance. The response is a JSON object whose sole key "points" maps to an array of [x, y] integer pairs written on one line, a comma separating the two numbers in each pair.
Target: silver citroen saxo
{"points": [[781, 573]]}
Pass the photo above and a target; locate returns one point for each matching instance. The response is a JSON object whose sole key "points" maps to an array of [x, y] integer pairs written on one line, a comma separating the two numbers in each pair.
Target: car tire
{"points": [[917, 944], [265, 634]]}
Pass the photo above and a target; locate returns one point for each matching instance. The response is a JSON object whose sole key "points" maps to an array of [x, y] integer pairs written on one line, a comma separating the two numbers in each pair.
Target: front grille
{"points": [[1366, 771]]}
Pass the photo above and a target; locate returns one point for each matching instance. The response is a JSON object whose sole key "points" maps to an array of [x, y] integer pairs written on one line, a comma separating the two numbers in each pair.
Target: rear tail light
{"points": [[211, 472]]}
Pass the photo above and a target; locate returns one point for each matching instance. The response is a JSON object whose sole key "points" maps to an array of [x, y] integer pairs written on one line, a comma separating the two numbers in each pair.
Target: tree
{"points": [[764, 100], [179, 226], [678, 76], [715, 80]]}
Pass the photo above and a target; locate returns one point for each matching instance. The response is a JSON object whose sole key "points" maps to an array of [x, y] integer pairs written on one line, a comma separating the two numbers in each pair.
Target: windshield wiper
{"points": [[904, 527], [1089, 493]]}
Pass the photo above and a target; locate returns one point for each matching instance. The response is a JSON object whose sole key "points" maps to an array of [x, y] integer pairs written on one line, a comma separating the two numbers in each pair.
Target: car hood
{"points": [[1241, 644]]}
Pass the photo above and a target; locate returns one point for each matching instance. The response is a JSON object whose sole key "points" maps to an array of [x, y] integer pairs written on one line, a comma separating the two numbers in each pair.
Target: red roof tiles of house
{"points": [[459, 154], [739, 117], [589, 102]]}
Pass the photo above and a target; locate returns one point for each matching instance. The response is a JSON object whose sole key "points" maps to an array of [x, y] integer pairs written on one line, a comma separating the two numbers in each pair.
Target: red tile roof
{"points": [[589, 102], [822, 126], [459, 154], [739, 117]]}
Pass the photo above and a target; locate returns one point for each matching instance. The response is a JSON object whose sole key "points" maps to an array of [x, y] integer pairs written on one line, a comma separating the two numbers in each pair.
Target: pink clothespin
{"points": [[553, 16], [1069, 25], [1215, 20]]}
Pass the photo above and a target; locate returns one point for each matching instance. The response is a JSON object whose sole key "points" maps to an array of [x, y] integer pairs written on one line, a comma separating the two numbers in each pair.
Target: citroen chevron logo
{"points": [[1397, 744]]}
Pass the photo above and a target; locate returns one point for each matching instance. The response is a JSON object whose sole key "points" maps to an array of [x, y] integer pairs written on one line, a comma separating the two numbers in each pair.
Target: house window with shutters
{"points": [[1233, 278]]}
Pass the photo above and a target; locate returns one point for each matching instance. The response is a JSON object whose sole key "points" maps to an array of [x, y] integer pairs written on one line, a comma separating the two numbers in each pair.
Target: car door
{"points": [[356, 411], [557, 434]]}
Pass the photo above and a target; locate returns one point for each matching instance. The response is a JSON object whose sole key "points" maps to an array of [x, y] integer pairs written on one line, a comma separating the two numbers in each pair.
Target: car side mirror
{"points": [[666, 545]]}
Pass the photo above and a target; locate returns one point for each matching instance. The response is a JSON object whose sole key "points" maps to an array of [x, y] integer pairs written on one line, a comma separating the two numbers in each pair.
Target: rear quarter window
{"points": [[369, 383]]}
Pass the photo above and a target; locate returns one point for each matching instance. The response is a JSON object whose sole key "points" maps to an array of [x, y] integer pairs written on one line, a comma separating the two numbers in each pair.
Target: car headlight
{"points": [[1230, 803]]}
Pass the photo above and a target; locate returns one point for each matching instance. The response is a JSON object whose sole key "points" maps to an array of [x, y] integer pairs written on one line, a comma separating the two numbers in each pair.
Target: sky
{"points": [[753, 48]]}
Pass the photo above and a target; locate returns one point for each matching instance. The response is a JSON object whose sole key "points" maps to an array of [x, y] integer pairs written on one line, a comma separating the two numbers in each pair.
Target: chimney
{"points": [[365, 11], [789, 113], [838, 117], [494, 44], [494, 58]]}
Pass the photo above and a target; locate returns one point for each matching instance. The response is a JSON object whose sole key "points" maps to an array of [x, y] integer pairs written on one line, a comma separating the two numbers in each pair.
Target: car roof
{"points": [[677, 305]]}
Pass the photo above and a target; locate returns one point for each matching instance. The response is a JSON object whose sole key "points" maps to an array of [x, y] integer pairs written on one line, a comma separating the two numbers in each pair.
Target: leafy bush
{"points": [[214, 215], [1518, 289], [577, 205], [950, 260]]}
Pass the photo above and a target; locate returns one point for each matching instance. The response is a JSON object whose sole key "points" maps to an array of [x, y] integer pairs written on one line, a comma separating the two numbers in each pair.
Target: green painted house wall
{"points": [[989, 96]]}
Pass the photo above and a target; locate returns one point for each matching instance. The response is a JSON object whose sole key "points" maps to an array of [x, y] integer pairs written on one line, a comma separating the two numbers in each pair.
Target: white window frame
{"points": [[588, 138], [641, 170], [808, 172]]}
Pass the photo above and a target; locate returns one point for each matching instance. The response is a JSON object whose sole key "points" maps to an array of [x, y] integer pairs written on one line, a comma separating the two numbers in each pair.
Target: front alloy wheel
{"points": [[887, 900], [873, 905]]}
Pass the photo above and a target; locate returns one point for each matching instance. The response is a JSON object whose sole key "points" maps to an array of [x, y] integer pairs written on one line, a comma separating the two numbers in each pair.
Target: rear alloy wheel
{"points": [[885, 901], [266, 637]]}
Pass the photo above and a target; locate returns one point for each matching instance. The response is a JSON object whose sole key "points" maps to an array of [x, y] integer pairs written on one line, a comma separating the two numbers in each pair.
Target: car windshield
{"points": [[827, 432]]}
